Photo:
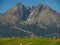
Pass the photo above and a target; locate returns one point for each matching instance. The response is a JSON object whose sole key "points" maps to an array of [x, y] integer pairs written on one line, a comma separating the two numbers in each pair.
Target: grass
{"points": [[29, 41]]}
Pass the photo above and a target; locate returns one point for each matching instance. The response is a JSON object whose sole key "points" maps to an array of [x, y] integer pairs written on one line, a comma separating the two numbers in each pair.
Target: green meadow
{"points": [[29, 41]]}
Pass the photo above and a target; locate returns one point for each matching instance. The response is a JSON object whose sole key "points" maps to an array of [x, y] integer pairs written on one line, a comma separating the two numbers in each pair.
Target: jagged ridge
{"points": [[40, 20]]}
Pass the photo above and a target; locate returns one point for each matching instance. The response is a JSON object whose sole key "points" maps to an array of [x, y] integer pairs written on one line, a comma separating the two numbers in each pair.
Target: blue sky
{"points": [[7, 4]]}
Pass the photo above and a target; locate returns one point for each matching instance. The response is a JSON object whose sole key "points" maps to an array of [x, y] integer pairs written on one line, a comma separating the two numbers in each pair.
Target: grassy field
{"points": [[29, 41]]}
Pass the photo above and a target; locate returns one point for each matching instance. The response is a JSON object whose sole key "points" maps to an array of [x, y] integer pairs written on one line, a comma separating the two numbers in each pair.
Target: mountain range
{"points": [[23, 21]]}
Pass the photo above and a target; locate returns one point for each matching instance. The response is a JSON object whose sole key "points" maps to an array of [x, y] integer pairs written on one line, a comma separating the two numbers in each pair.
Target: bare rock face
{"points": [[39, 20], [43, 15], [17, 13]]}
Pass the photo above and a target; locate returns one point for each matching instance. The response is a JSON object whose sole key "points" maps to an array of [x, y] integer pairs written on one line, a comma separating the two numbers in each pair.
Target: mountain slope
{"points": [[15, 14], [44, 17], [31, 22]]}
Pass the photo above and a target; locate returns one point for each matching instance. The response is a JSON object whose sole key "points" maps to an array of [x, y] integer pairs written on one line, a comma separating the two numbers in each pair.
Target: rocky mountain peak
{"points": [[19, 5], [41, 5], [39, 20]]}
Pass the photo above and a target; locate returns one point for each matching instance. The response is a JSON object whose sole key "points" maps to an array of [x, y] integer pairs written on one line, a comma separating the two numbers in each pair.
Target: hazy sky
{"points": [[6, 4]]}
